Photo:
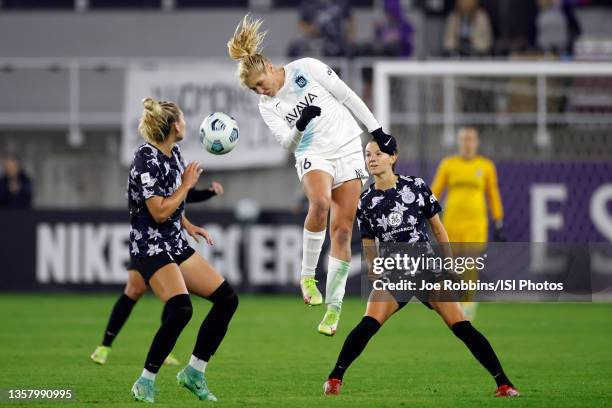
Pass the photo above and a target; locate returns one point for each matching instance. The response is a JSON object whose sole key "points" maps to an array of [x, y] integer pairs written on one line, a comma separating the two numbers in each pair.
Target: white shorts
{"points": [[342, 169]]}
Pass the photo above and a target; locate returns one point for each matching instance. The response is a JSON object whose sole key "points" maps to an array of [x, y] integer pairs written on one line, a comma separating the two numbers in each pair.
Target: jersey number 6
{"points": [[306, 164]]}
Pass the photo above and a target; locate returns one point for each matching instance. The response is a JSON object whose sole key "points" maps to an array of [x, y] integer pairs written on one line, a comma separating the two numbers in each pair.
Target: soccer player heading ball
{"points": [[412, 204], [308, 109]]}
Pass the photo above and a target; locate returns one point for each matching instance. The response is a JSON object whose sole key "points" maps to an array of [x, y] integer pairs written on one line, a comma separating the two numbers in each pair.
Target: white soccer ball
{"points": [[219, 133]]}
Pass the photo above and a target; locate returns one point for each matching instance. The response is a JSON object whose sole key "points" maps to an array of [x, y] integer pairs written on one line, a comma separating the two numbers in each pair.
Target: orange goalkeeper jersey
{"points": [[467, 182]]}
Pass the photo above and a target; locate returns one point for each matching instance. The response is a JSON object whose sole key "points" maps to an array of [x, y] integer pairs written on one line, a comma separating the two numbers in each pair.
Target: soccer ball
{"points": [[219, 133]]}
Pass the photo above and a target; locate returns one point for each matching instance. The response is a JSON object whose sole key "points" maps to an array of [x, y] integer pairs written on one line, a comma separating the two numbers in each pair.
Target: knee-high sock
{"points": [[178, 315], [354, 344], [165, 312], [481, 349], [214, 326], [121, 311], [337, 274], [311, 249]]}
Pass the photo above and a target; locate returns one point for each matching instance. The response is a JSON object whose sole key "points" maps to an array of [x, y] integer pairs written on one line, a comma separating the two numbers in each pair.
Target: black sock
{"points": [[482, 350], [165, 312], [354, 344], [178, 315], [214, 326], [121, 312]]}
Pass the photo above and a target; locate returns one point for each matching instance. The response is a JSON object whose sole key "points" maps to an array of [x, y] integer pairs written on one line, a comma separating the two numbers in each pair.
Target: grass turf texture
{"points": [[557, 354]]}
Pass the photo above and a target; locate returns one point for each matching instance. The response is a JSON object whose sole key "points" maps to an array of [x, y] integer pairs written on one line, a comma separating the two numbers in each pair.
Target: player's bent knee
{"points": [[371, 323], [342, 234], [180, 309], [380, 318], [134, 292], [226, 297], [319, 206]]}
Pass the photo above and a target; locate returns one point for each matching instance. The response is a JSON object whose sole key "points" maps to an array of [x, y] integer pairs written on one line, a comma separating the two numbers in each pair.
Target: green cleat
{"points": [[144, 390], [171, 360], [100, 355], [310, 293], [195, 382], [329, 324]]}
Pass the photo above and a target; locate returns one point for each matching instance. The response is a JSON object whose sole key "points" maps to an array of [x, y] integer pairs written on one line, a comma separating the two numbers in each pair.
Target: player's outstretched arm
{"points": [[345, 95], [197, 196]]}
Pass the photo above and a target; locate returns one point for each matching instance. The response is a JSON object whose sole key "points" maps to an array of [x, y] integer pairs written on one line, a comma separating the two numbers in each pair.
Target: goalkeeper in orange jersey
{"points": [[471, 181]]}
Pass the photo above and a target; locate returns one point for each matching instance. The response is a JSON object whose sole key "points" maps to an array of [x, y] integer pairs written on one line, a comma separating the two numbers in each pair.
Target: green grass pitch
{"points": [[558, 354]]}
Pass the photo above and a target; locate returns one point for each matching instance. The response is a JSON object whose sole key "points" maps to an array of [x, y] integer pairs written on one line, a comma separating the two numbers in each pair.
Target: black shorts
{"points": [[424, 302], [425, 296], [403, 297], [148, 265]]}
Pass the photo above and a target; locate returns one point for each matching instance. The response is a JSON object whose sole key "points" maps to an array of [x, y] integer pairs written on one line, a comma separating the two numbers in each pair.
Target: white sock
{"points": [[148, 375], [337, 273], [311, 249], [197, 363]]}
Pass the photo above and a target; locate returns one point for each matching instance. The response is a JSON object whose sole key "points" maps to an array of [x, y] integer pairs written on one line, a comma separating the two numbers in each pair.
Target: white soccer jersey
{"points": [[332, 135]]}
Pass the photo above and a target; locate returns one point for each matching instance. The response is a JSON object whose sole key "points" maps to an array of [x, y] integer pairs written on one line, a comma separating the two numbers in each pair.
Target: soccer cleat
{"points": [[310, 293], [144, 390], [506, 391], [171, 360], [332, 386], [100, 355], [195, 382], [329, 324]]}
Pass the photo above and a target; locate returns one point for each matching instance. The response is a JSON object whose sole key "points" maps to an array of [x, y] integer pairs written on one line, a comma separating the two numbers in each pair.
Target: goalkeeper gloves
{"points": [[308, 113], [386, 143]]}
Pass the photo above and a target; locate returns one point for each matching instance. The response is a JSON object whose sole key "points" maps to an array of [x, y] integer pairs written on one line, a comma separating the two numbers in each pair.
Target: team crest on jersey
{"points": [[395, 219], [478, 173], [301, 81]]}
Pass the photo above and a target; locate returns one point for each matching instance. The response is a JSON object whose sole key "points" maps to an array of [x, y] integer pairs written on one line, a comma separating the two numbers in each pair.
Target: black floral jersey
{"points": [[152, 173], [397, 214]]}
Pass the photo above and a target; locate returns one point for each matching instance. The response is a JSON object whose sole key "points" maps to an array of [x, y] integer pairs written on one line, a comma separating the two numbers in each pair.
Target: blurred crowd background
{"points": [[64, 64]]}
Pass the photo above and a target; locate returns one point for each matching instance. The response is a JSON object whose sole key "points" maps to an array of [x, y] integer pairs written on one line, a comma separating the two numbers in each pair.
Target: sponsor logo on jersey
{"points": [[297, 109], [395, 219], [145, 178], [301, 81]]}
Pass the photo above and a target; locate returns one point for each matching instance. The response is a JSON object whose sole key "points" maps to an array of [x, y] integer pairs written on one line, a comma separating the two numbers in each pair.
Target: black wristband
{"points": [[196, 196]]}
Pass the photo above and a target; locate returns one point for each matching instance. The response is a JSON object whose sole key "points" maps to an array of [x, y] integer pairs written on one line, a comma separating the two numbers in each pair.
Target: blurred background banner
{"points": [[87, 250], [199, 90], [551, 202]]}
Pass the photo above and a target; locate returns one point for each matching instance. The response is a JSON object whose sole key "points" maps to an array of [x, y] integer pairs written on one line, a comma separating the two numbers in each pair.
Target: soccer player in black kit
{"points": [[395, 208], [157, 187], [136, 287]]}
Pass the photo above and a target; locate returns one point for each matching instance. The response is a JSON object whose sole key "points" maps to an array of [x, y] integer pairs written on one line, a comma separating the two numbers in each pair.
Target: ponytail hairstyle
{"points": [[157, 119], [245, 46]]}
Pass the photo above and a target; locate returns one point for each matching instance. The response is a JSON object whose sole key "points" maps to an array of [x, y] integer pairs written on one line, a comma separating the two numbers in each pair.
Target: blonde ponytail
{"points": [[246, 47], [157, 119]]}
